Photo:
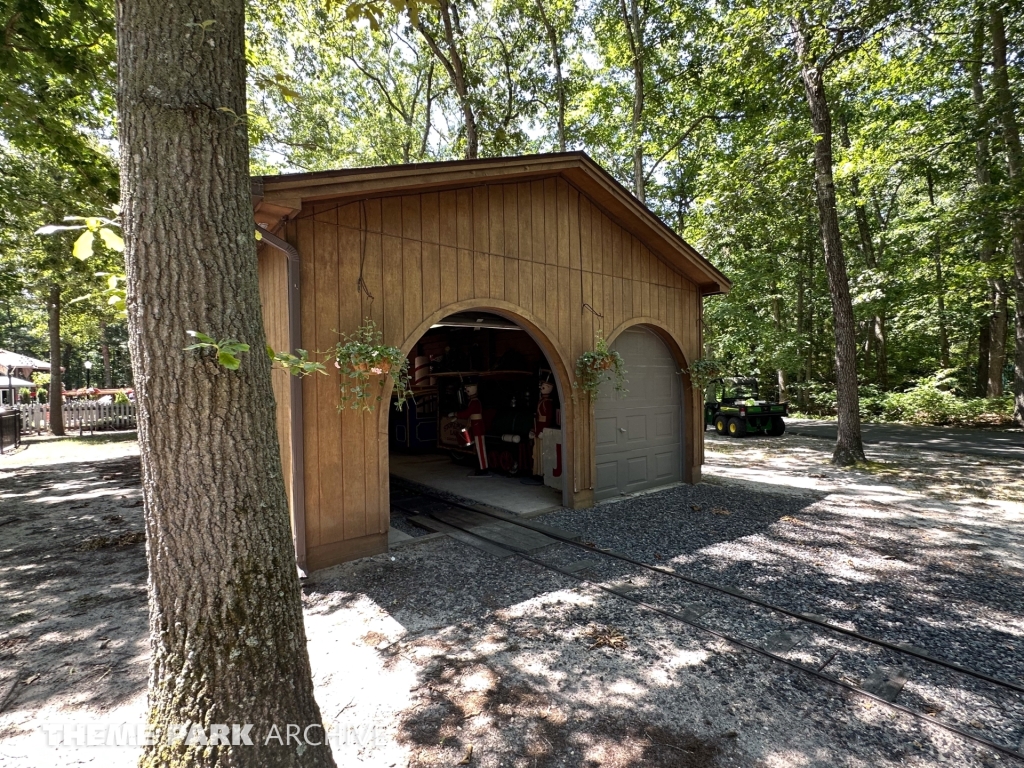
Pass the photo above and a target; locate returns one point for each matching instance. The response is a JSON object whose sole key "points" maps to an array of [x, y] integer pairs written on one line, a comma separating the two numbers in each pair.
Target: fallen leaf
{"points": [[606, 637], [469, 756]]}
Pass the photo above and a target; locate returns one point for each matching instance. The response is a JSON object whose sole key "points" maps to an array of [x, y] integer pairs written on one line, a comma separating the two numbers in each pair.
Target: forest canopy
{"points": [[698, 108]]}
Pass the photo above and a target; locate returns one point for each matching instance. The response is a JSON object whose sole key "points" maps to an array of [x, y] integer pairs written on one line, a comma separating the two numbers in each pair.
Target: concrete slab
{"points": [[438, 471], [395, 536]]}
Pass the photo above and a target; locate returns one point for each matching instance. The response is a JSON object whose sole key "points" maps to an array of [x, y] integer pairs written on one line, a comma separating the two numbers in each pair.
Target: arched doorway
{"points": [[504, 357], [639, 437]]}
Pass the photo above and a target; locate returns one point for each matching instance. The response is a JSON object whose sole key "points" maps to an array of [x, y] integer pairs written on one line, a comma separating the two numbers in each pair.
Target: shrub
{"points": [[932, 400]]}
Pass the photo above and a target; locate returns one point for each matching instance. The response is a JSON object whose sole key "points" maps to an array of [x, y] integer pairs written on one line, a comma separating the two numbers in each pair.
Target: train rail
{"points": [[881, 687]]}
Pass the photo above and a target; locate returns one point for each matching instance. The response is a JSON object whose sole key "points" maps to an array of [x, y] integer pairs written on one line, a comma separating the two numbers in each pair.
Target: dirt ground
{"points": [[437, 654]]}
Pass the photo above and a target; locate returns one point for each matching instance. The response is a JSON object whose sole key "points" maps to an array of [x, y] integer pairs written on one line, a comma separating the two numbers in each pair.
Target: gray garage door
{"points": [[639, 436]]}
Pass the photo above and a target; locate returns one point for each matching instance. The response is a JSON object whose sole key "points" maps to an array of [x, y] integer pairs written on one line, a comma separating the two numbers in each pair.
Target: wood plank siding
{"points": [[541, 252], [273, 275]]}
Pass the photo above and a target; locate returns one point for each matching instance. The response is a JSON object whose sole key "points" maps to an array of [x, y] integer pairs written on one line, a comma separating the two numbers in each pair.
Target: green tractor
{"points": [[732, 407]]}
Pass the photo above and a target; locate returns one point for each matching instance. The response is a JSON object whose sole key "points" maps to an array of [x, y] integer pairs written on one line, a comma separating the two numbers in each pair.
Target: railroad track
{"points": [[945, 695]]}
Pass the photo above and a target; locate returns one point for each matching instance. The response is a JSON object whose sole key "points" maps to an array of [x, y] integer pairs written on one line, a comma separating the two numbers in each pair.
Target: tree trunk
{"points": [[984, 345], [878, 320], [556, 62], [940, 297], [226, 629], [105, 353], [940, 283], [1007, 109], [456, 69], [809, 329], [635, 38], [849, 447], [997, 328], [55, 392], [992, 353], [780, 373]]}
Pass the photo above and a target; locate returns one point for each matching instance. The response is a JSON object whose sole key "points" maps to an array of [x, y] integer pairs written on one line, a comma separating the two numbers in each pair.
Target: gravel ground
{"points": [[455, 657]]}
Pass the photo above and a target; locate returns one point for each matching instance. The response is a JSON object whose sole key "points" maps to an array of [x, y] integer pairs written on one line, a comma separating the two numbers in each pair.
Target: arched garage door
{"points": [[640, 436]]}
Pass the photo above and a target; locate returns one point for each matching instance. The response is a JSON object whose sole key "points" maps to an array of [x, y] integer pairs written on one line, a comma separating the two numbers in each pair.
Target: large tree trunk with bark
{"points": [[1007, 109], [849, 447], [226, 627], [55, 393]]}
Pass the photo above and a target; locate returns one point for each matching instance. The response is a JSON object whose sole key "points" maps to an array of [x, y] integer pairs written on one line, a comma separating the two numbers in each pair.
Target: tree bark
{"points": [[849, 446], [992, 351], [226, 628], [55, 392], [1007, 110]]}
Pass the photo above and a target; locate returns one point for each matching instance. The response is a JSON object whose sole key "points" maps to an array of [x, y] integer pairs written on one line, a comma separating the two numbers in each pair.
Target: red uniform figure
{"points": [[474, 411], [544, 418]]}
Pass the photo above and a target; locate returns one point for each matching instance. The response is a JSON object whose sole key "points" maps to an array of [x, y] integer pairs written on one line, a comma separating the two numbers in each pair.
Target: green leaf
{"points": [[229, 361], [83, 245]]}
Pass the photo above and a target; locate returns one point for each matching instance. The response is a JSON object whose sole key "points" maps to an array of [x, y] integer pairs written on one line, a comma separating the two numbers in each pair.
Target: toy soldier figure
{"points": [[474, 411], [542, 419]]}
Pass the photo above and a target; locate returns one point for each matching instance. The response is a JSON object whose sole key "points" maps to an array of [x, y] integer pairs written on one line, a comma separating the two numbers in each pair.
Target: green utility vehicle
{"points": [[732, 407]]}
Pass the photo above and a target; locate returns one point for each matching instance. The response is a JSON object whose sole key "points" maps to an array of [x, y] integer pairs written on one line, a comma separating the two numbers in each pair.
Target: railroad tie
{"points": [[887, 682], [580, 565], [781, 642]]}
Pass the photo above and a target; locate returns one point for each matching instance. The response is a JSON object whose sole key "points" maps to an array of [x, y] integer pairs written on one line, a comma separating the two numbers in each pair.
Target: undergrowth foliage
{"points": [[931, 400]]}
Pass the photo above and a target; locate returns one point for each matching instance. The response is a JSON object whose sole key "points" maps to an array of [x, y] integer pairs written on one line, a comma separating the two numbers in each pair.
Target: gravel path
{"points": [[452, 657]]}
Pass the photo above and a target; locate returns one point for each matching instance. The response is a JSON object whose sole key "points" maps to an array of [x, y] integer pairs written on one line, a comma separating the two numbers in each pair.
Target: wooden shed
{"points": [[550, 243]]}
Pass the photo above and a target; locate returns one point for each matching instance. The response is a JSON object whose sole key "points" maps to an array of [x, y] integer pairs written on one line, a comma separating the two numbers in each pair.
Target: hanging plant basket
{"points": [[703, 371], [598, 365], [366, 362]]}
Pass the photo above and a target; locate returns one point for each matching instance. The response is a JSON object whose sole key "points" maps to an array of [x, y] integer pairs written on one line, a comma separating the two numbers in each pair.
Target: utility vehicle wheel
{"points": [[721, 425], [737, 427], [778, 427]]}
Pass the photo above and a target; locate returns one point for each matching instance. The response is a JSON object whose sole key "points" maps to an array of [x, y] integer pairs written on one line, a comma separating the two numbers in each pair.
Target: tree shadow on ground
{"points": [[73, 623], [517, 675]]}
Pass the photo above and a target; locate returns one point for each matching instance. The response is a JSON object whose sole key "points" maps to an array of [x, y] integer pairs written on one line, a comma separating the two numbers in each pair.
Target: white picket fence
{"points": [[82, 415]]}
